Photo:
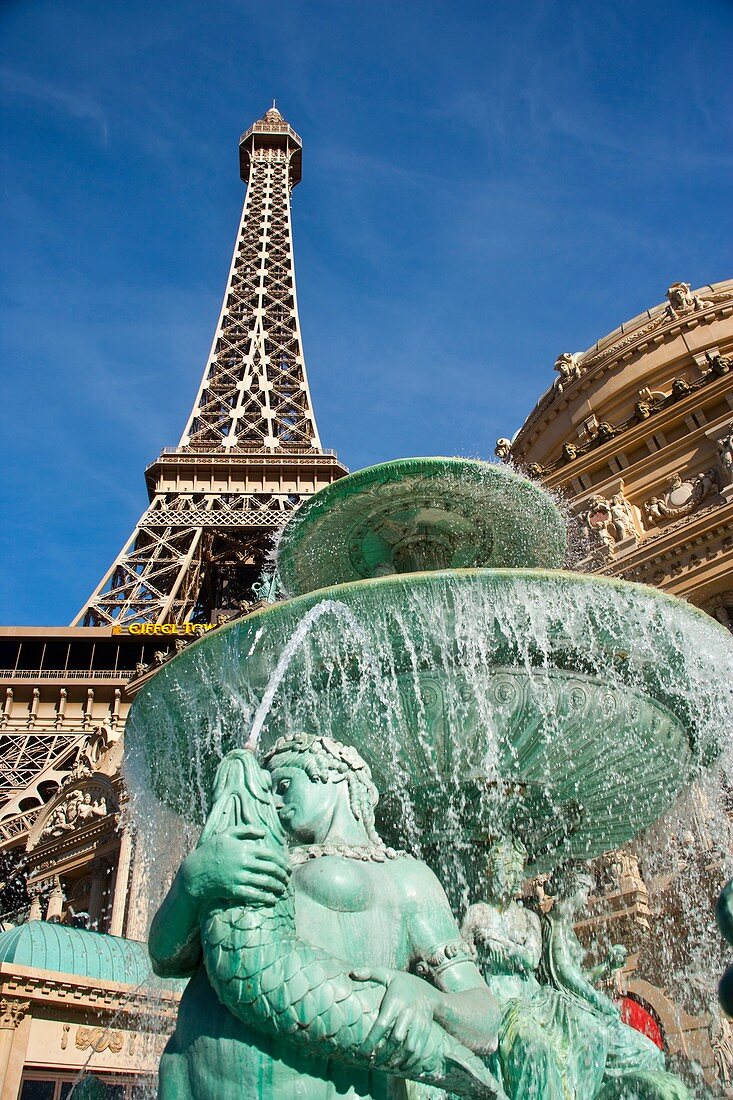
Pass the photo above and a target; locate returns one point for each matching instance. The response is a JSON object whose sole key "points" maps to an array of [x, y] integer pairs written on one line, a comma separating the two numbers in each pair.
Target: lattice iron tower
{"points": [[250, 450]]}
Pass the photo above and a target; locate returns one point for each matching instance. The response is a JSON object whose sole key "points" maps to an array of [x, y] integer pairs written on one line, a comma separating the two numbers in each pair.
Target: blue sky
{"points": [[484, 186]]}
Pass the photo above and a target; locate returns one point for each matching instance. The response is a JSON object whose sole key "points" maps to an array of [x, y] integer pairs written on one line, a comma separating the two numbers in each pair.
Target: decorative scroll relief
{"points": [[12, 1012], [103, 738], [99, 1039], [683, 496], [140, 1045]]}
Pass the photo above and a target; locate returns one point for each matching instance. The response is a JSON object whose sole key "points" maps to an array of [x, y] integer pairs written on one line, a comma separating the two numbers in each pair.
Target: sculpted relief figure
{"points": [[725, 452], [304, 936], [66, 816], [567, 366], [88, 809], [560, 1038], [634, 1065], [548, 1048], [622, 521], [681, 300]]}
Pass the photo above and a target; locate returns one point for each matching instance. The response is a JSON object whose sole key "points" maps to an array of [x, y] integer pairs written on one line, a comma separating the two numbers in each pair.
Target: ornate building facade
{"points": [[636, 435]]}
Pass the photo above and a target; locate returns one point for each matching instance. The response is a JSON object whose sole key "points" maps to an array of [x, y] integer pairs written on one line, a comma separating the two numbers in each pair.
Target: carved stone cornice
{"points": [[660, 321], [661, 324], [629, 432], [108, 999]]}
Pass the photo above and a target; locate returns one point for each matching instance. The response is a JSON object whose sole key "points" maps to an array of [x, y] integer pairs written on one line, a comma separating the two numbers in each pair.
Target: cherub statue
{"points": [[654, 509], [503, 448]]}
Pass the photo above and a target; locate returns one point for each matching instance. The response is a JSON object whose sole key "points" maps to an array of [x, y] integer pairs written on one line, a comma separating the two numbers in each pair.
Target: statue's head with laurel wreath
{"points": [[323, 790]]}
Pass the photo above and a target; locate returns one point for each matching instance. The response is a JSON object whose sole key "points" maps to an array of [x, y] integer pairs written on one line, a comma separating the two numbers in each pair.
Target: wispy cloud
{"points": [[72, 103]]}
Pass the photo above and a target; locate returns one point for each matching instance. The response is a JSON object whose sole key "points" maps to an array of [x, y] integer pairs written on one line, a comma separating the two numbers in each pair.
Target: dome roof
{"points": [[47, 946], [674, 341]]}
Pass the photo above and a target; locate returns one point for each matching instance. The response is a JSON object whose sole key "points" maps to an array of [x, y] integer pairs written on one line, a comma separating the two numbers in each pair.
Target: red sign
{"points": [[638, 1017]]}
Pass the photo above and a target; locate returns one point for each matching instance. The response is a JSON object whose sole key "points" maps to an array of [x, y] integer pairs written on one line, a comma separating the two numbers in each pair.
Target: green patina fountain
{"points": [[514, 719]]}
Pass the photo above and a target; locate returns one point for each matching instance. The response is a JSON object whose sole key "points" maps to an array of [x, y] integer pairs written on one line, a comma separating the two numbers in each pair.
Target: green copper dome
{"points": [[48, 946]]}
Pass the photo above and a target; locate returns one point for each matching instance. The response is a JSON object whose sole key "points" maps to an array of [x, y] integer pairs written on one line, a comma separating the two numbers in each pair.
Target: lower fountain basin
{"points": [[566, 708]]}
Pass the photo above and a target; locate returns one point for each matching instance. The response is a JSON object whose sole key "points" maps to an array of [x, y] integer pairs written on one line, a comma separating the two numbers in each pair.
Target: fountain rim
{"points": [[334, 591], [473, 580], [325, 506]]}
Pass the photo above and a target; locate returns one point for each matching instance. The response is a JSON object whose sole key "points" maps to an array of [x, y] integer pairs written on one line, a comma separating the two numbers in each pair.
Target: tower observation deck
{"points": [[250, 450]]}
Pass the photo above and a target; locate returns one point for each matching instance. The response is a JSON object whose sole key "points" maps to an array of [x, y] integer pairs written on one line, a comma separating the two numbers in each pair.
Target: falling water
{"points": [[609, 695], [326, 607]]}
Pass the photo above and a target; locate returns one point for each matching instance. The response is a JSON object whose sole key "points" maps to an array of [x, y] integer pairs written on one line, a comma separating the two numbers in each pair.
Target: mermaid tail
{"points": [[277, 983]]}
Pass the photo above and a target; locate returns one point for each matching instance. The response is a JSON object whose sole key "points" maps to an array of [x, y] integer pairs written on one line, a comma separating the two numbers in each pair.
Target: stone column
{"points": [[7, 707], [61, 707], [88, 709], [55, 901], [116, 709], [137, 909], [13, 1043], [36, 910], [95, 895], [119, 897], [33, 711]]}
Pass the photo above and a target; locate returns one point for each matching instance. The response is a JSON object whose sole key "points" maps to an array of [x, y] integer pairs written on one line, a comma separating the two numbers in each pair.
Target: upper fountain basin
{"points": [[417, 514], [577, 706]]}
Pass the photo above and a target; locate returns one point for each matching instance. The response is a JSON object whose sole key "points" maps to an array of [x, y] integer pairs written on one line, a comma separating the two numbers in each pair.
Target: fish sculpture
{"points": [[272, 980]]}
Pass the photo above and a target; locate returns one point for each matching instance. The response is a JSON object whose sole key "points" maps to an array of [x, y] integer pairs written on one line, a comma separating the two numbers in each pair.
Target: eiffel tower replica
{"points": [[250, 450], [249, 453]]}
